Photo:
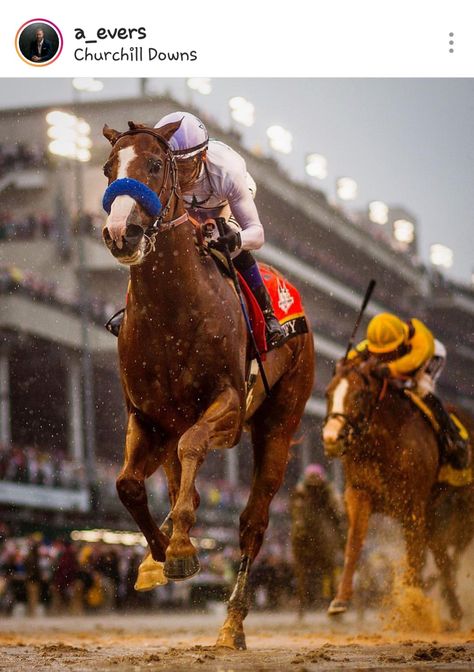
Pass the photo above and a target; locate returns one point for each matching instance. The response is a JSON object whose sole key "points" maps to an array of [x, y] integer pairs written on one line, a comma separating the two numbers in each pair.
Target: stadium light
{"points": [[200, 84], [346, 188], [70, 139], [88, 84], [69, 136], [242, 110], [280, 139], [316, 166], [404, 231], [441, 255], [378, 212]]}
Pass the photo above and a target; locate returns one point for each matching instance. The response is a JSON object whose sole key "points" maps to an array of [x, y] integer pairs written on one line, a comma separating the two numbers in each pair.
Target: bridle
{"points": [[170, 173], [358, 426]]}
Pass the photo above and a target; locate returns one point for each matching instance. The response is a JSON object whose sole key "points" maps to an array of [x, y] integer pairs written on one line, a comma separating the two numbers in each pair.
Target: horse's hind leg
{"points": [[446, 568], [218, 427], [142, 458], [359, 508], [272, 429]]}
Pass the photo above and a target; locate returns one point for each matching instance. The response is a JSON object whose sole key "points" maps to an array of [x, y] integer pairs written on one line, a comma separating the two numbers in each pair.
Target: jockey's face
{"points": [[189, 170]]}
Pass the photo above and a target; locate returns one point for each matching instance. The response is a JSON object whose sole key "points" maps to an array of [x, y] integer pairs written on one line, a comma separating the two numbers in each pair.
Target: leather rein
{"points": [[171, 171], [357, 428]]}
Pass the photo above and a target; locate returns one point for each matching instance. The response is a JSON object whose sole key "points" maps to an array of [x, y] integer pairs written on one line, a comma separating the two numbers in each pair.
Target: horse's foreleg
{"points": [[359, 508], [142, 458], [217, 428], [415, 539]]}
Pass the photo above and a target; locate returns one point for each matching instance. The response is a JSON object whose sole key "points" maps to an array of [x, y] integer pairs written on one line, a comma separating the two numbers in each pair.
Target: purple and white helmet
{"points": [[190, 139]]}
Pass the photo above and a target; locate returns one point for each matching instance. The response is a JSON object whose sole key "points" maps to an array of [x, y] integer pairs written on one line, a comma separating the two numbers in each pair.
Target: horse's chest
{"points": [[156, 388]]}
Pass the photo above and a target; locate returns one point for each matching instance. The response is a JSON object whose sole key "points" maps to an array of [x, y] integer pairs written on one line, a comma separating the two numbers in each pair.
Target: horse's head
{"points": [[350, 400], [143, 180]]}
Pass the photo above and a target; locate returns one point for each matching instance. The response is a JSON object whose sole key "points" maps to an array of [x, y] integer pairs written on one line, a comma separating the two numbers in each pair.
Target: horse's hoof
{"points": [[150, 574], [180, 569], [338, 607], [230, 639]]}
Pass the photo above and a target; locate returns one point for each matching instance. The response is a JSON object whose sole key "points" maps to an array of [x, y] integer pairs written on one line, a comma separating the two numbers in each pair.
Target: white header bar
{"points": [[244, 38]]}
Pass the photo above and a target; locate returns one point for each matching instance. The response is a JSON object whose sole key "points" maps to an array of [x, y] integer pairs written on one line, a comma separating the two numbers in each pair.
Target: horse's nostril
{"points": [[106, 234], [133, 233]]}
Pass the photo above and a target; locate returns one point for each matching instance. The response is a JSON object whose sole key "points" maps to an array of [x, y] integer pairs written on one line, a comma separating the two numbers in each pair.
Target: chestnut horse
{"points": [[390, 456], [184, 356]]}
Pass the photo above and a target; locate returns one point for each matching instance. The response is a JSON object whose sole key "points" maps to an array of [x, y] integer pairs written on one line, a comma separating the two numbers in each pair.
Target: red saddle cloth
{"points": [[286, 302]]}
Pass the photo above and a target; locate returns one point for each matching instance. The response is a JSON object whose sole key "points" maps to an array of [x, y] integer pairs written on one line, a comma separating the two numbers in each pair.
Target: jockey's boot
{"points": [[456, 449], [275, 332], [115, 322]]}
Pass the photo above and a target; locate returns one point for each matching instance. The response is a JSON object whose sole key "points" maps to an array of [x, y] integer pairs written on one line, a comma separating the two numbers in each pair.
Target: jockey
{"points": [[407, 351], [214, 183]]}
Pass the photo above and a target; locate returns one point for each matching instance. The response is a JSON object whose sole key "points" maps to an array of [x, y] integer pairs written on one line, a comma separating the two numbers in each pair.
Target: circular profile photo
{"points": [[39, 42]]}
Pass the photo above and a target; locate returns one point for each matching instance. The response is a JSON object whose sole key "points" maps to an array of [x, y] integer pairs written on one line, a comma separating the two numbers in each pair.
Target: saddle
{"points": [[287, 306], [285, 298], [447, 474]]}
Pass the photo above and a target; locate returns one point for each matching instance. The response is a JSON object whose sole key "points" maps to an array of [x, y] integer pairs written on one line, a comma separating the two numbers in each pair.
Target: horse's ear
{"points": [[339, 365], [133, 126], [111, 134], [168, 130]]}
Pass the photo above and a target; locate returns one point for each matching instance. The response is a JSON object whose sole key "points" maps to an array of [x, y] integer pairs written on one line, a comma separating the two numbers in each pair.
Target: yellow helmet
{"points": [[385, 333]]}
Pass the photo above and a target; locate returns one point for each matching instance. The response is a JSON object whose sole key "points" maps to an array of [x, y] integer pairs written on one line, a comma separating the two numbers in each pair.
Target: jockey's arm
{"points": [[421, 350], [359, 349], [243, 208]]}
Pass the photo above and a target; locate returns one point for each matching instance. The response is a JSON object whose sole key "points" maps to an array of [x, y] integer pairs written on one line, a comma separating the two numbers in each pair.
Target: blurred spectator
{"points": [[64, 578], [36, 466], [13, 279], [33, 578], [317, 538], [21, 156]]}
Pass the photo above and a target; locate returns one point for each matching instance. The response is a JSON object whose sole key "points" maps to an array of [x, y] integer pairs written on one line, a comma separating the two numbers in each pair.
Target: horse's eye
{"points": [[107, 170], [154, 166]]}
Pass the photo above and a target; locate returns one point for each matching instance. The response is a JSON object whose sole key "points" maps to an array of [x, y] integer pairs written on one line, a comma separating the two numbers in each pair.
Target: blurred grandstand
{"points": [[58, 284]]}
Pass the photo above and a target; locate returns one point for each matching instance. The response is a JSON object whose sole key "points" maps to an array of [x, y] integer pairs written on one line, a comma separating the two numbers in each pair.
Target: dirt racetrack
{"points": [[184, 641]]}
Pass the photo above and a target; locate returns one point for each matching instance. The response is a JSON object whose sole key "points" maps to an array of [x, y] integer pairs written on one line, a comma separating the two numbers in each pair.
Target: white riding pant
{"points": [[427, 376]]}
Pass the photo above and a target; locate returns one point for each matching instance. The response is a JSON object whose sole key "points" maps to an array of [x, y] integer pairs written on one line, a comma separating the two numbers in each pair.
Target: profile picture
{"points": [[39, 42]]}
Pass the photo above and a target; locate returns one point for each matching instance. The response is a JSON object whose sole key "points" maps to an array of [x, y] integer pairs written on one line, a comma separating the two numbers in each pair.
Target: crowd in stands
{"points": [[19, 155], [26, 227], [36, 466], [61, 576], [15, 280], [36, 226]]}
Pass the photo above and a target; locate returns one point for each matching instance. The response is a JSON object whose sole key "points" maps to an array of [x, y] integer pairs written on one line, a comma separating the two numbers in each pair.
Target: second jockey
{"points": [[407, 351]]}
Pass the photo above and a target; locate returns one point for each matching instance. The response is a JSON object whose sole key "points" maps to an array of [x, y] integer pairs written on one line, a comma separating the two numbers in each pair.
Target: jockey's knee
{"points": [[424, 385]]}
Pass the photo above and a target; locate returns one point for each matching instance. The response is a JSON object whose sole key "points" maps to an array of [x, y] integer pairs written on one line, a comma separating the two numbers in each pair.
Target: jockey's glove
{"points": [[230, 241], [381, 372]]}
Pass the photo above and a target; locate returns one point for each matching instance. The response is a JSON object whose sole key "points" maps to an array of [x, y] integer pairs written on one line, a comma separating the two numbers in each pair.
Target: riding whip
{"points": [[366, 300], [220, 223]]}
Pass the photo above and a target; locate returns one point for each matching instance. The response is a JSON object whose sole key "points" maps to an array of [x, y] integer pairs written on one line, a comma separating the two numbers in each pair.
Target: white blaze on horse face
{"points": [[122, 206], [334, 425]]}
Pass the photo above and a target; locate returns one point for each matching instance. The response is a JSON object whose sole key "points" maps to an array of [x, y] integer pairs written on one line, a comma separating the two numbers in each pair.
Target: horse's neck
{"points": [[389, 412], [171, 273]]}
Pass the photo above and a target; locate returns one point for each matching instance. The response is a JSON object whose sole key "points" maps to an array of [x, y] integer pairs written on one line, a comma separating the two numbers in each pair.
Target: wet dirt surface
{"points": [[184, 641]]}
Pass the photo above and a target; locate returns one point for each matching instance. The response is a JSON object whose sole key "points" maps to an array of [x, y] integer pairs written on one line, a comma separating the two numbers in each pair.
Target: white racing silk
{"points": [[224, 181]]}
